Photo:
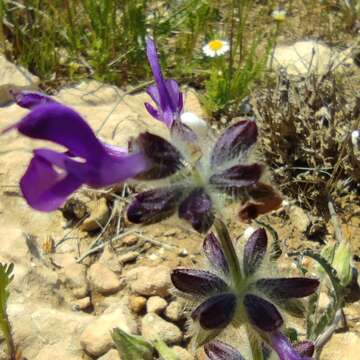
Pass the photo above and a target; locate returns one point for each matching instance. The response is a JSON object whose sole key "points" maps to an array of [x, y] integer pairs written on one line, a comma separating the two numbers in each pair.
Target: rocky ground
{"points": [[66, 297]]}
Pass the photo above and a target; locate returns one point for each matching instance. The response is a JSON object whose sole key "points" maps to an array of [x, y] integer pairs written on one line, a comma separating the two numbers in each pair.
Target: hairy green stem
{"points": [[229, 251], [255, 345], [6, 329]]}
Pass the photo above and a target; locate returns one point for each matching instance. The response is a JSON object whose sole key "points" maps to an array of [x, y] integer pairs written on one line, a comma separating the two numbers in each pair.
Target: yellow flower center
{"points": [[215, 45]]}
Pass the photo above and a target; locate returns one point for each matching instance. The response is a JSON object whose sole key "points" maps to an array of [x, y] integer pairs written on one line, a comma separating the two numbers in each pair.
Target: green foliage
{"points": [[133, 347], [6, 276]]}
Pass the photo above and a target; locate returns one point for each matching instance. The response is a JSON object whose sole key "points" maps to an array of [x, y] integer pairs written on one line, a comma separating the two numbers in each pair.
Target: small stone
{"points": [[110, 355], [81, 304], [171, 232], [109, 259], [96, 338], [74, 277], [99, 214], [174, 311], [130, 239], [183, 253], [342, 346], [155, 304], [153, 327], [137, 304], [182, 353], [150, 281], [299, 218], [128, 257], [103, 280]]}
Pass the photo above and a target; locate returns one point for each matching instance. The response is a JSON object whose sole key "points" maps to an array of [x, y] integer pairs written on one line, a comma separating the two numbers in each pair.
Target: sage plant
{"points": [[196, 175]]}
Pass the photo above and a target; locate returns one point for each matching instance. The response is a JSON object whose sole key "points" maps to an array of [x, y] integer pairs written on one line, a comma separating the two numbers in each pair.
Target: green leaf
{"points": [[164, 351], [132, 347]]}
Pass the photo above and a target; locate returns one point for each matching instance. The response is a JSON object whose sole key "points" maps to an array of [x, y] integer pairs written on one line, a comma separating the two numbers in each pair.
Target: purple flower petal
{"points": [[282, 346], [164, 158], [30, 99], [305, 348], [197, 210], [214, 253], [254, 251], [152, 111], [62, 125], [237, 176], [286, 288], [45, 189], [197, 282], [262, 313], [235, 140], [217, 350], [217, 312], [154, 205], [166, 93]]}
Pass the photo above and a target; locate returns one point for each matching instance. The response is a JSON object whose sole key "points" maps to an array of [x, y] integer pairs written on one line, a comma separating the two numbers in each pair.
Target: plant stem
{"points": [[6, 328], [255, 345], [229, 251]]}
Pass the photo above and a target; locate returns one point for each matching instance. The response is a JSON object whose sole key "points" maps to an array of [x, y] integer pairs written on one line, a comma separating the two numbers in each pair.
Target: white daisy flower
{"points": [[278, 15], [216, 48], [355, 139]]}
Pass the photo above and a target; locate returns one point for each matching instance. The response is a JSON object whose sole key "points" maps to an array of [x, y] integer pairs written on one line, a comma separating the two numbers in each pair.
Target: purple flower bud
{"points": [[214, 253], [237, 177], [284, 349], [254, 251], [197, 210], [154, 205], [235, 140], [165, 93], [262, 313], [285, 288], [305, 348], [163, 157], [217, 350], [197, 282], [217, 312]]}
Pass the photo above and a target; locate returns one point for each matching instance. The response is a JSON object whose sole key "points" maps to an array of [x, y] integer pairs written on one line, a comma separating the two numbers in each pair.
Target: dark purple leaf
{"points": [[305, 348], [214, 253], [197, 209], [217, 350], [254, 251], [216, 312], [286, 288], [262, 313], [237, 177], [154, 205], [163, 157], [197, 282], [235, 140]]}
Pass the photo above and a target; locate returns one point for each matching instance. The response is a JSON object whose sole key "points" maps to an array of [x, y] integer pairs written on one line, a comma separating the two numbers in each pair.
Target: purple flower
{"points": [[165, 93], [217, 350], [223, 299], [52, 175], [200, 170]]}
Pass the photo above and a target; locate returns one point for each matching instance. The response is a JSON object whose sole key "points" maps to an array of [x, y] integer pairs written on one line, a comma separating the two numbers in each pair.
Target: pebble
{"points": [[137, 303], [110, 355], [150, 281], [183, 253], [130, 239], [96, 338], [81, 304], [171, 232], [103, 280], [99, 214], [174, 311], [299, 218], [74, 277], [128, 257], [182, 353], [156, 304], [153, 327]]}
